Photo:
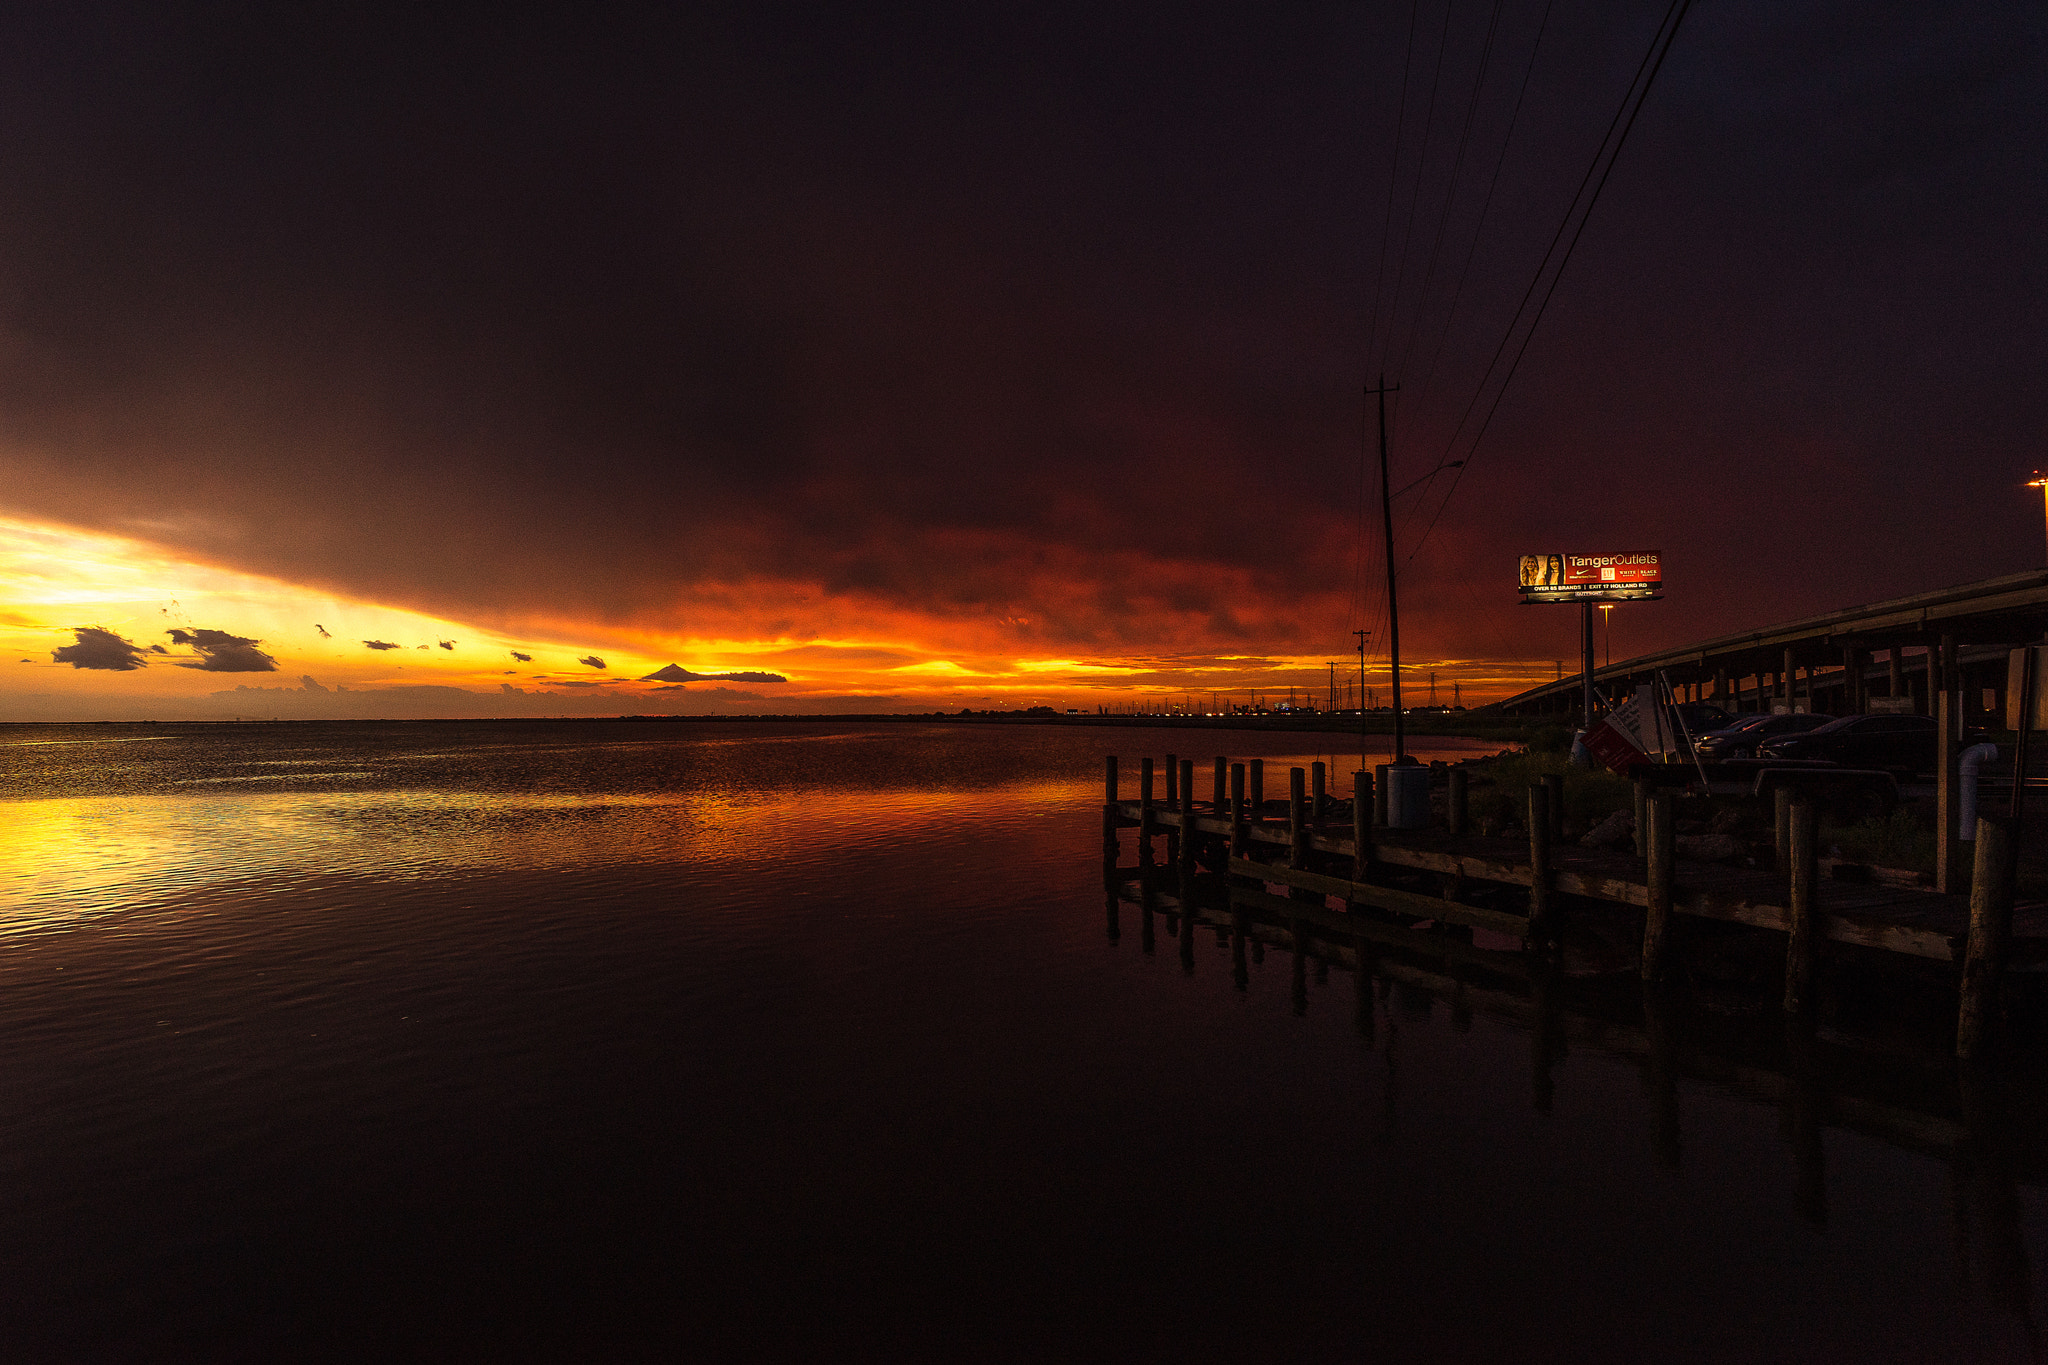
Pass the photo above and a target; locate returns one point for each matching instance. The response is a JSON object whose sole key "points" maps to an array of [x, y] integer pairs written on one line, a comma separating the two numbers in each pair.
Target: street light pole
{"points": [[2041, 483], [1607, 621]]}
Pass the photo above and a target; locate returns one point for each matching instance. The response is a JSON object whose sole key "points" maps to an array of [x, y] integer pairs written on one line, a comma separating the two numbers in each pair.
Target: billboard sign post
{"points": [[1633, 576]]}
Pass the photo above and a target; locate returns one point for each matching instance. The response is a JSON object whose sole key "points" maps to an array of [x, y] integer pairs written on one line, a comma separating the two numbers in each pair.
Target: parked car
{"points": [[1902, 745], [1696, 718], [1740, 740]]}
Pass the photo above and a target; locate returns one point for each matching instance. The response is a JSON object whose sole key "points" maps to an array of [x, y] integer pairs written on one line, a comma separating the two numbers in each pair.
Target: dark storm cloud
{"points": [[217, 651], [1011, 317], [98, 647], [676, 673], [380, 644]]}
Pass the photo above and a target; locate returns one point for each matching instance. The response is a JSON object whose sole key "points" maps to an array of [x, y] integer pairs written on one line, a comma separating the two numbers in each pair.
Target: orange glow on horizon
{"points": [[879, 657]]}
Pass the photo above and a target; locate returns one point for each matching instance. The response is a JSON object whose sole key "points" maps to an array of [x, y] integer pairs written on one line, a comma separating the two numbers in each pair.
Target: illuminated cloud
{"points": [[676, 673], [380, 644], [218, 651], [591, 661], [1059, 427], [98, 647]]}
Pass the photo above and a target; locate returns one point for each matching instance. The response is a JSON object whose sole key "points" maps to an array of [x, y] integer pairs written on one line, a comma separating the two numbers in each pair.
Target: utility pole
{"points": [[1432, 687], [1586, 661], [1333, 686], [1457, 701], [1393, 607], [1361, 634]]}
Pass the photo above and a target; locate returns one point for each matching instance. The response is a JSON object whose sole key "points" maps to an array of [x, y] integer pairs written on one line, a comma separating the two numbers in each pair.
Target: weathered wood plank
{"points": [[1385, 897], [1393, 935], [1889, 918]]}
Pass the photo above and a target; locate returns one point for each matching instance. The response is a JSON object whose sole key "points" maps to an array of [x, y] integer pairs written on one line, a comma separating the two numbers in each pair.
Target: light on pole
{"points": [[1607, 621], [2038, 482]]}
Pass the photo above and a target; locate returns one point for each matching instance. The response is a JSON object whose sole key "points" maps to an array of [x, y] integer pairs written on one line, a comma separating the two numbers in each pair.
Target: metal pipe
{"points": [[1974, 757]]}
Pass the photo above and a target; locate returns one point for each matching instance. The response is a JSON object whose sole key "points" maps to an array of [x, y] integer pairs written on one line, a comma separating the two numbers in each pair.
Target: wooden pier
{"points": [[1985, 1124], [1520, 893]]}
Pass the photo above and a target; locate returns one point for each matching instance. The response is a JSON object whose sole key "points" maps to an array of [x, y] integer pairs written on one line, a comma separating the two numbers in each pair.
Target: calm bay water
{"points": [[591, 1040]]}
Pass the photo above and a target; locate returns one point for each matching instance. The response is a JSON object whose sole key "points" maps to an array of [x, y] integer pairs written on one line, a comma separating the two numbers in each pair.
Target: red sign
{"points": [[1578, 578]]}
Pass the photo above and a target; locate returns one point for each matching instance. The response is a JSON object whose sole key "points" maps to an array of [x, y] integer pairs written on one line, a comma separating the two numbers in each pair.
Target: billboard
{"points": [[1591, 578]]}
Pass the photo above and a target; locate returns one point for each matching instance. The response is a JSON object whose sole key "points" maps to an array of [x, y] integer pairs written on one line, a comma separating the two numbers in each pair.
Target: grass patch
{"points": [[1900, 840], [1499, 793]]}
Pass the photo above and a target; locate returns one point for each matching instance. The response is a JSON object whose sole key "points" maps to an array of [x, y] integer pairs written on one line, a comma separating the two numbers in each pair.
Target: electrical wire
{"points": [[1486, 204], [1415, 194], [1443, 217], [1625, 117]]}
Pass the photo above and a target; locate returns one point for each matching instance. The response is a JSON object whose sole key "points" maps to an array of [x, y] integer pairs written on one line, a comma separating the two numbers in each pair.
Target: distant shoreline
{"points": [[1467, 724]]}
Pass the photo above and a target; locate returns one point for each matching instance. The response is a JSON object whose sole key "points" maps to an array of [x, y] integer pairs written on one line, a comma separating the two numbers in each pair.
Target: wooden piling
{"points": [[1553, 784], [1781, 843], [1319, 789], [1109, 818], [1256, 772], [1542, 929], [1806, 1105], [1545, 1032], [1362, 1010], [1172, 782], [1361, 825], [1642, 829], [1660, 1030], [1948, 816], [1145, 799], [1661, 855], [1187, 813], [1297, 819], [1222, 775], [1991, 895], [1457, 802], [1802, 942], [1240, 838]]}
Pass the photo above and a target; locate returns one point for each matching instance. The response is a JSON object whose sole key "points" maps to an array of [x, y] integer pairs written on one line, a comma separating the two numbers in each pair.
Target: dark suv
{"points": [[1903, 745]]}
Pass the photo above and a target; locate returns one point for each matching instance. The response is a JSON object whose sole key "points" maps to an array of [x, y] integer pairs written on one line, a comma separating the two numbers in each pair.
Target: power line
{"points": [[1486, 204], [1443, 217], [1625, 116], [1393, 180], [1443, 37]]}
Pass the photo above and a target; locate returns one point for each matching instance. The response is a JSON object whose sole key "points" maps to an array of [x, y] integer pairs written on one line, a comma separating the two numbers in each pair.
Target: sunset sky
{"points": [[905, 358]]}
